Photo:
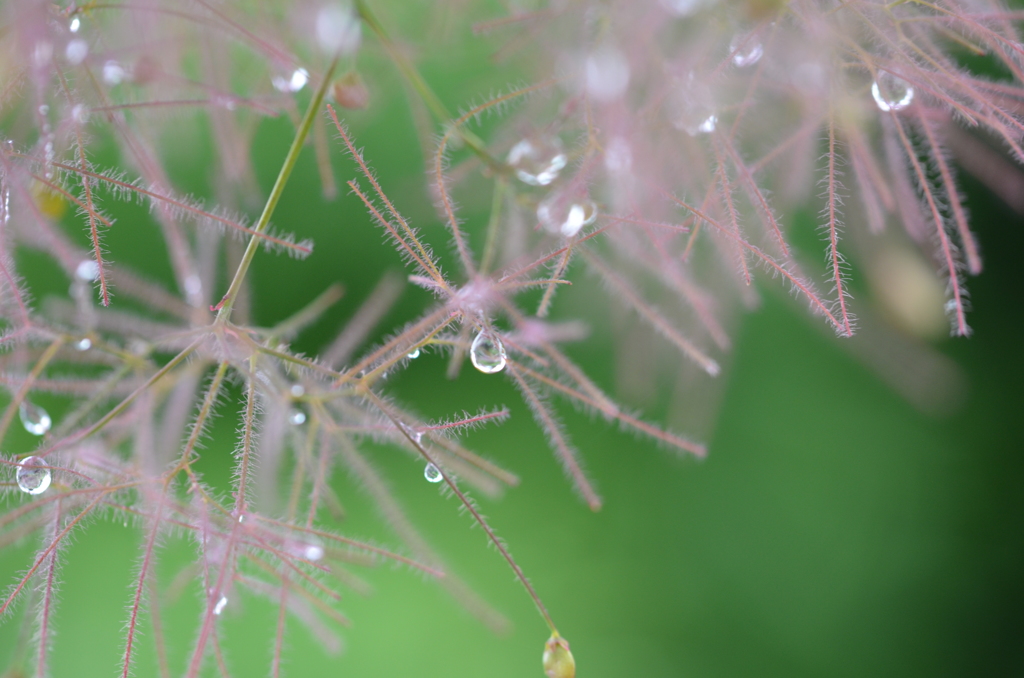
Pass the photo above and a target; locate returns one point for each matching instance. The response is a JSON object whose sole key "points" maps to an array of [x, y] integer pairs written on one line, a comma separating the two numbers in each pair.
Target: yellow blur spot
{"points": [[48, 201]]}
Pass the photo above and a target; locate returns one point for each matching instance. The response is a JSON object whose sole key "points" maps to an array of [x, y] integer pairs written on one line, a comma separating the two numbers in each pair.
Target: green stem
{"points": [[224, 314]]}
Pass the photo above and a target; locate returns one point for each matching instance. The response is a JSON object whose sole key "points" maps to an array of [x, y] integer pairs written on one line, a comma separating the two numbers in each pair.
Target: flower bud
{"points": [[350, 91], [558, 660]]}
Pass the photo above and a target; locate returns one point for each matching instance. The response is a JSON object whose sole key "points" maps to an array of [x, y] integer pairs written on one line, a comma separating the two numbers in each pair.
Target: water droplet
{"points": [[607, 74], [76, 51], [297, 417], [219, 607], [88, 271], [114, 73], [413, 354], [75, 24], [35, 419], [487, 354], [746, 50], [313, 552], [32, 475], [891, 93], [566, 217], [689, 107], [537, 162], [292, 82], [84, 344], [685, 7], [432, 474], [337, 28], [43, 109], [618, 156], [80, 113], [298, 390]]}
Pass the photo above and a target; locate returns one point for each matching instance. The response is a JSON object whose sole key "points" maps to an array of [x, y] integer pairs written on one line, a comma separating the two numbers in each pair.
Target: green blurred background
{"points": [[833, 530]]}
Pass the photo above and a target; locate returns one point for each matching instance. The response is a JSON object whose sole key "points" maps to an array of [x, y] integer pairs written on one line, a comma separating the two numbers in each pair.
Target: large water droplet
{"points": [[84, 344], [690, 109], [296, 417], [607, 74], [413, 354], [114, 73], [75, 24], [32, 475], [432, 474], [313, 552], [292, 82], [88, 271], [566, 217], [746, 50], [221, 604], [487, 354], [338, 28], [298, 390], [35, 419], [537, 162], [891, 93], [76, 51]]}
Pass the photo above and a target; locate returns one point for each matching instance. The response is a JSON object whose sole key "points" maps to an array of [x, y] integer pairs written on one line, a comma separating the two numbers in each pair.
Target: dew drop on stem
{"points": [[33, 476], [891, 93], [34, 418], [537, 162], [566, 217], [296, 417], [432, 474], [487, 353]]}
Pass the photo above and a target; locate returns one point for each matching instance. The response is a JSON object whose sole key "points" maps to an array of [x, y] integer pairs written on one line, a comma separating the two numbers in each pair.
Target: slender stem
{"points": [[224, 314], [490, 246], [437, 108]]}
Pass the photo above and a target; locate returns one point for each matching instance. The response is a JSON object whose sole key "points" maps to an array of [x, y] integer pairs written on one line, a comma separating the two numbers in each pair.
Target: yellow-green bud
{"points": [[558, 660]]}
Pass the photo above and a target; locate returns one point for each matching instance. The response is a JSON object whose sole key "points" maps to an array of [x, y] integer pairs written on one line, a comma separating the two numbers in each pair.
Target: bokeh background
{"points": [[834, 529]]}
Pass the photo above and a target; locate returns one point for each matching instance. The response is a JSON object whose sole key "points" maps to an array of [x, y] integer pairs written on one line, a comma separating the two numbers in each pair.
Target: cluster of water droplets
{"points": [[33, 475], [891, 92]]}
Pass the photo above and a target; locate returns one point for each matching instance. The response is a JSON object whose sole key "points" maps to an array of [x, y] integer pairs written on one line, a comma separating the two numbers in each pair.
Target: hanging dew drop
{"points": [[432, 474], [75, 24], [297, 418], [33, 476], [84, 344], [413, 354], [221, 604], [35, 419], [891, 93], [537, 162], [488, 354]]}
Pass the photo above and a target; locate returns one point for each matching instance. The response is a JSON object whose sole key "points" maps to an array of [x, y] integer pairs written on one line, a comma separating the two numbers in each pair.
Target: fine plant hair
{"points": [[658, 147]]}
